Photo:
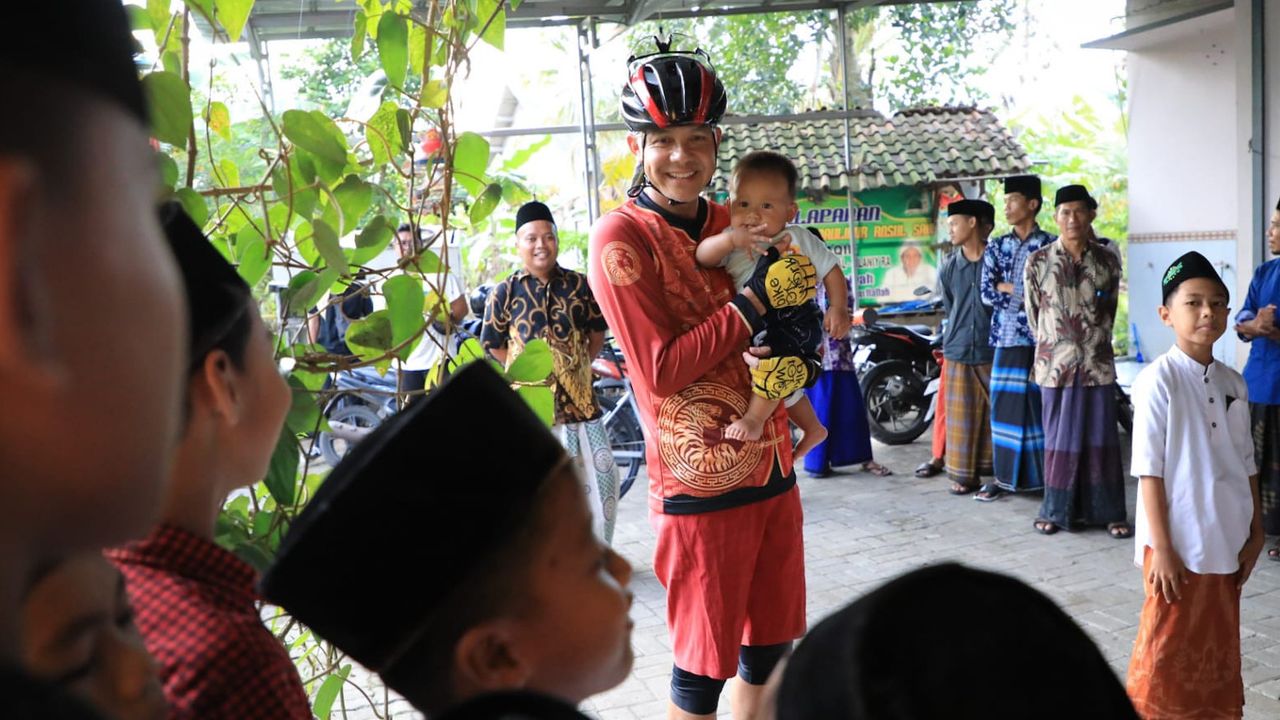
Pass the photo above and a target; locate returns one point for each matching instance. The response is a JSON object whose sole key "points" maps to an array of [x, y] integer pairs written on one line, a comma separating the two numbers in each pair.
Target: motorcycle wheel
{"points": [[896, 409], [333, 448], [625, 435]]}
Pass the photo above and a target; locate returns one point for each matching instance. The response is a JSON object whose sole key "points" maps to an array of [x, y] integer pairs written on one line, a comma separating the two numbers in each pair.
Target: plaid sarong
{"points": [[968, 421], [1083, 473], [1266, 452], [1017, 436]]}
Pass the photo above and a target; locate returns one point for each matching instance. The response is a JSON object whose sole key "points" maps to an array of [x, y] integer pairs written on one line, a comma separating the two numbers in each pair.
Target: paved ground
{"points": [[862, 530]]}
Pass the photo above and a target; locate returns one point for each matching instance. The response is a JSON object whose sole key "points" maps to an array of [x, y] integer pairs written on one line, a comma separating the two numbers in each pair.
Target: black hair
{"points": [[53, 138], [404, 227], [426, 674], [234, 342], [767, 162]]}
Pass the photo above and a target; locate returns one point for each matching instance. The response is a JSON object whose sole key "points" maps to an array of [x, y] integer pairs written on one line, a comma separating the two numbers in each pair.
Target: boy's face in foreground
{"points": [[679, 160], [77, 631], [1197, 312], [95, 343], [761, 202], [577, 631]]}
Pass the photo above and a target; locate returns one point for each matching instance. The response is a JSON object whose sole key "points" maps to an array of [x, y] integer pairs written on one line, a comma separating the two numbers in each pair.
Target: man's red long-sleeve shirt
{"points": [[683, 341]]}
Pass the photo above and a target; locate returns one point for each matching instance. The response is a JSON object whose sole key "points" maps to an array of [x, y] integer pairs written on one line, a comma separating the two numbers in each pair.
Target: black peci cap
{"points": [[1074, 193], [980, 209], [1027, 185], [216, 294], [93, 50], [1188, 267], [422, 504], [531, 211]]}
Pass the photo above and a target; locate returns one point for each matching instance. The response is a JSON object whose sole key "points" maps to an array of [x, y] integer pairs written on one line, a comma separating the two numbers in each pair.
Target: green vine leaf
{"points": [[419, 48], [326, 241], [497, 26], [233, 14], [533, 364], [434, 94], [168, 169], [393, 47], [303, 291], [370, 337], [254, 260], [470, 158], [385, 134], [542, 400], [357, 37], [194, 205], [170, 101], [317, 134], [328, 693], [282, 473], [219, 119], [484, 205], [404, 304]]}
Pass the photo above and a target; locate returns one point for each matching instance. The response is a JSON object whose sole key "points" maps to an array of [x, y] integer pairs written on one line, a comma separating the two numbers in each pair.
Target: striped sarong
{"points": [[1266, 453], [1186, 658], [968, 421], [597, 469], [837, 399], [1083, 472], [1017, 436], [939, 439]]}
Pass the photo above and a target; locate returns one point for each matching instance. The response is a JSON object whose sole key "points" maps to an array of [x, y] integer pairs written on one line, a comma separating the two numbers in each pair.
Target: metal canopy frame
{"points": [[306, 19]]}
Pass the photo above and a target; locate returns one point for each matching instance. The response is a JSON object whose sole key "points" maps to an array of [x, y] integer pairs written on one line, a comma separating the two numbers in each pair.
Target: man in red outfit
{"points": [[727, 512]]}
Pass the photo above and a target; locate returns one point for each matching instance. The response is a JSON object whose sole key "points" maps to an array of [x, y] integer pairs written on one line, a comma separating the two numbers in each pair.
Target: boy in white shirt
{"points": [[762, 192], [1199, 521]]}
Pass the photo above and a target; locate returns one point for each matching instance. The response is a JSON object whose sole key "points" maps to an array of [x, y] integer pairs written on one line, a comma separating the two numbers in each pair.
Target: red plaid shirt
{"points": [[197, 609]]}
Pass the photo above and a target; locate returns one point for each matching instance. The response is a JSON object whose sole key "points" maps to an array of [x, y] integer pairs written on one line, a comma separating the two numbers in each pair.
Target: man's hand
{"points": [[1168, 574], [1249, 557], [774, 378], [1005, 287], [1265, 322], [780, 282], [836, 322]]}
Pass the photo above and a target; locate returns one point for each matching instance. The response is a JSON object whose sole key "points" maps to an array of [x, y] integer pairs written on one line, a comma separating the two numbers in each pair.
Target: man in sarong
{"points": [[1072, 287], [965, 350], [1016, 434], [1257, 325], [549, 302]]}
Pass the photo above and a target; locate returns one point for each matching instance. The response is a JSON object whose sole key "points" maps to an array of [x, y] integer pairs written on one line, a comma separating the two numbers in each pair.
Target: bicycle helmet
{"points": [[479, 298], [670, 88]]}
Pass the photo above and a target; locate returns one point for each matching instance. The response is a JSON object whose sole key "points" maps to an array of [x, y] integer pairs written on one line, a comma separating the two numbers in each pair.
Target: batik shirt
{"points": [[1262, 371], [1071, 307], [560, 311], [1005, 260], [197, 610]]}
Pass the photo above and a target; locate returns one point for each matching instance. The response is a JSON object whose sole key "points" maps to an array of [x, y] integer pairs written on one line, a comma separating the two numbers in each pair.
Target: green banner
{"points": [[895, 231]]}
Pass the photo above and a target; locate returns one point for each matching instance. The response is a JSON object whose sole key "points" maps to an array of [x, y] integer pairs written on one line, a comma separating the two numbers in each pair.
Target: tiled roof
{"points": [[914, 147]]}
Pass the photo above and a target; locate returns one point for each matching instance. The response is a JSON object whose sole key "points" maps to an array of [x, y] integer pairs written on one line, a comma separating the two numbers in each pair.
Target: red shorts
{"points": [[733, 577]]}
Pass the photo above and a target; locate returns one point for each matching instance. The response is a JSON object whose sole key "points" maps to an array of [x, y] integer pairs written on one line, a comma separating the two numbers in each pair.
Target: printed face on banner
{"points": [[895, 235]]}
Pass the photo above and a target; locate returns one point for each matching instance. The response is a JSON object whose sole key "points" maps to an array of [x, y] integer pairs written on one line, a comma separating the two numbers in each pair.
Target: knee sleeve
{"points": [[756, 662], [695, 694]]}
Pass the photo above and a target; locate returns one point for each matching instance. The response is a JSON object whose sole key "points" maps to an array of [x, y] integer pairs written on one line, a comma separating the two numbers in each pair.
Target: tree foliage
{"points": [[317, 195]]}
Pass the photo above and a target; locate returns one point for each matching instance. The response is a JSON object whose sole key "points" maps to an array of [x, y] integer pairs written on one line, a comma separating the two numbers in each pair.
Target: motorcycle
{"points": [[362, 400], [899, 370], [621, 415]]}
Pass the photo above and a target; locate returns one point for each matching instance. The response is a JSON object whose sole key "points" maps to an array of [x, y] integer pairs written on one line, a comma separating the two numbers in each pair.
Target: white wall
{"points": [[1184, 187]]}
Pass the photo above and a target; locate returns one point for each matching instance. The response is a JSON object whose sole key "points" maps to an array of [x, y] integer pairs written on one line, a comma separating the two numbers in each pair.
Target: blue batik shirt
{"points": [[1005, 260], [1262, 371]]}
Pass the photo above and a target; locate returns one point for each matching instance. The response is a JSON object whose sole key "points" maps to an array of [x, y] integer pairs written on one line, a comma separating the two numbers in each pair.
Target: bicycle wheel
{"points": [[626, 439]]}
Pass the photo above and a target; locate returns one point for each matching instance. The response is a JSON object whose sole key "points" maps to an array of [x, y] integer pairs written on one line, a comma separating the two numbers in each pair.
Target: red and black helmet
{"points": [[670, 88]]}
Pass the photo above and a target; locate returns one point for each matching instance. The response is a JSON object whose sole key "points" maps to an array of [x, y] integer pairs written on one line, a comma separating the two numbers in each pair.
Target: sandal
{"points": [[876, 469], [958, 488], [989, 493], [929, 469], [1273, 552], [1120, 530], [1045, 527]]}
